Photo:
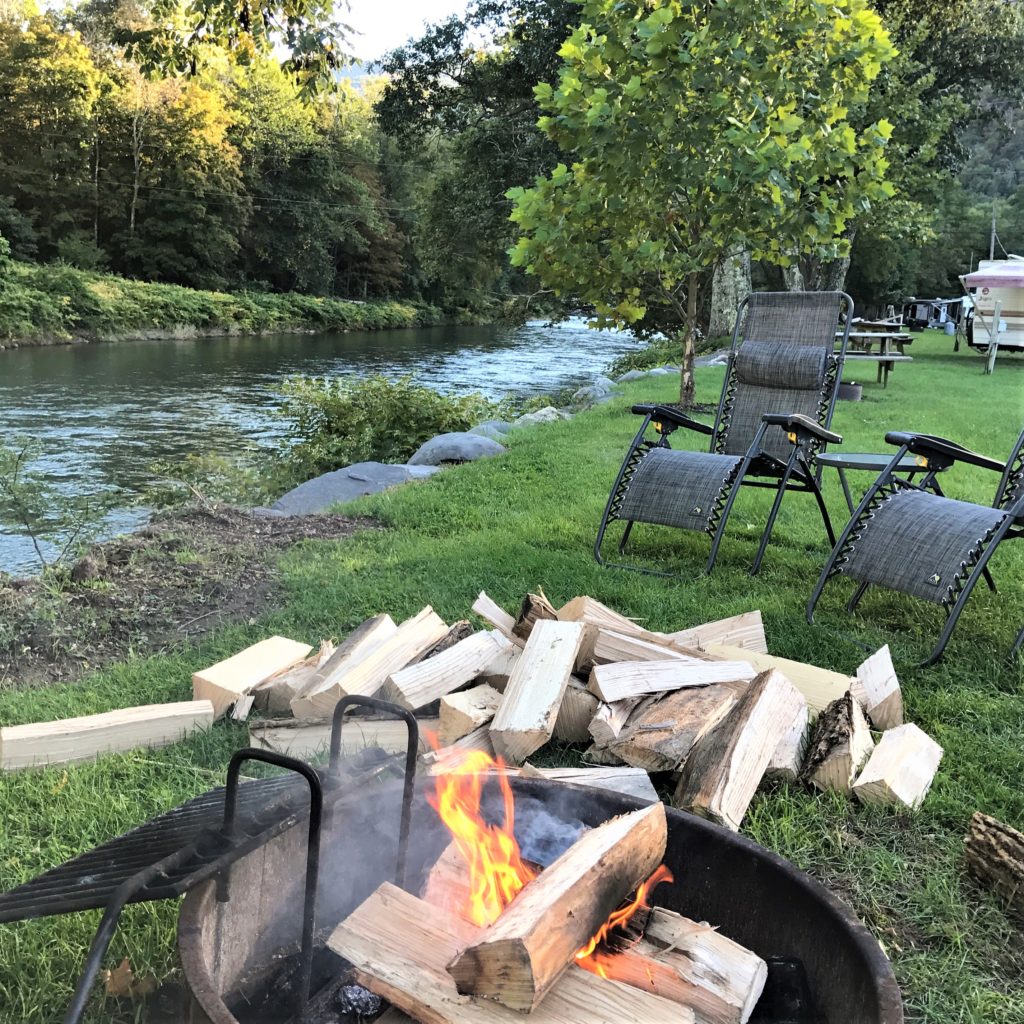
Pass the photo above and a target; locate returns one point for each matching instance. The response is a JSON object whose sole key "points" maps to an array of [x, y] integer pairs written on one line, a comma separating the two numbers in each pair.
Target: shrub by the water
{"points": [[335, 423]]}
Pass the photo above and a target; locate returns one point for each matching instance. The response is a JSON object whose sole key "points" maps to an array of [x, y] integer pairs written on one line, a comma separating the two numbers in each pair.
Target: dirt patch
{"points": [[176, 579]]}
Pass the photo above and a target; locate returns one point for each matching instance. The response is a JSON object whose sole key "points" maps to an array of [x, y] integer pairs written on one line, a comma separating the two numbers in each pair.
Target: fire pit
{"points": [[824, 967]]}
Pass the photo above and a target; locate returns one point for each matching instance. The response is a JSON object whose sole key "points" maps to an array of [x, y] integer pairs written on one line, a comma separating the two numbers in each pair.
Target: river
{"points": [[100, 415]]}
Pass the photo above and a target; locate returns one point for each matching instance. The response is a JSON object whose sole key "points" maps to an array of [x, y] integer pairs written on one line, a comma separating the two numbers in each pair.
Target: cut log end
{"points": [[994, 855], [839, 745]]}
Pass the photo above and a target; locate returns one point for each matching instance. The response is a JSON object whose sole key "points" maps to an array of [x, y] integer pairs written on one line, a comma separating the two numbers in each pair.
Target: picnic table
{"points": [[890, 349]]}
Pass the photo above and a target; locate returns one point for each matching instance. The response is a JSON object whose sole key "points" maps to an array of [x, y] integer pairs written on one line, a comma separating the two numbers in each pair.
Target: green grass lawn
{"points": [[527, 520]]}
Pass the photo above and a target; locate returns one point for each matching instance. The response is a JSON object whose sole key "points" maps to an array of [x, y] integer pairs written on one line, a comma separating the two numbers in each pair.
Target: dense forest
{"points": [[230, 173]]}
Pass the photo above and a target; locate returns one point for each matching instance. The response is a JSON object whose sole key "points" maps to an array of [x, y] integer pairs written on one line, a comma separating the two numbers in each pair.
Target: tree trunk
{"points": [[794, 278], [729, 284], [96, 194], [687, 386]]}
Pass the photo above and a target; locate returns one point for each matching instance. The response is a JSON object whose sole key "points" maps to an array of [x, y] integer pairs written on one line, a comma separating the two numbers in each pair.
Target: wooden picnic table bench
{"points": [[885, 360]]}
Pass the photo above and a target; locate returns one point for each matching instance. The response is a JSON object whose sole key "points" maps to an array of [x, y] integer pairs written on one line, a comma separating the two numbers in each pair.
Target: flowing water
{"points": [[102, 414]]}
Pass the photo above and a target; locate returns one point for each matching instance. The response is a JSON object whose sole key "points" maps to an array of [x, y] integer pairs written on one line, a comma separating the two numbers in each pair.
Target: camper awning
{"points": [[1005, 275]]}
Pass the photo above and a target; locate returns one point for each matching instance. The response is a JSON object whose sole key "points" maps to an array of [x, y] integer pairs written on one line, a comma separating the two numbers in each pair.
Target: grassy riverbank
{"points": [[527, 520], [53, 304]]}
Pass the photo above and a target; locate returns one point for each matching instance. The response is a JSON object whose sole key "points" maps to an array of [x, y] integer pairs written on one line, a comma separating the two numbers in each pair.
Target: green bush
{"points": [[335, 423]]}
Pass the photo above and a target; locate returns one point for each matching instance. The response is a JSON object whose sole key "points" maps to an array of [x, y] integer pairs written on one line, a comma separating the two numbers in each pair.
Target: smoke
{"points": [[543, 836]]}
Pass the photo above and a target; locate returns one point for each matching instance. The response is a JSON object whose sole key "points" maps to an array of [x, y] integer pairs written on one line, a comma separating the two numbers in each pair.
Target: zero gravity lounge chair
{"points": [[773, 418], [908, 539]]}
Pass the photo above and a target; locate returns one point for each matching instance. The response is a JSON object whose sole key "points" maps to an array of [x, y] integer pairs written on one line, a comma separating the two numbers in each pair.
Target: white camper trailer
{"points": [[997, 282]]}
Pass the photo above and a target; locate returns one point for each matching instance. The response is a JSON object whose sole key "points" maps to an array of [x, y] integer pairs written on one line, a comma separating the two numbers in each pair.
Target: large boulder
{"points": [[345, 485], [486, 430], [549, 414], [594, 394], [501, 426], [632, 375], [458, 446]]}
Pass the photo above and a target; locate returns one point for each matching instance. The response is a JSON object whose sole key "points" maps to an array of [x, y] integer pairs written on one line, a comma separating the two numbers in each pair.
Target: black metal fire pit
{"points": [[824, 966]]}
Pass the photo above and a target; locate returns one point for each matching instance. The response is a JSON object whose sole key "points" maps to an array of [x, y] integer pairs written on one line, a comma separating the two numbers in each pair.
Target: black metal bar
{"points": [[316, 804], [411, 752], [108, 925], [815, 489], [780, 493], [610, 504]]}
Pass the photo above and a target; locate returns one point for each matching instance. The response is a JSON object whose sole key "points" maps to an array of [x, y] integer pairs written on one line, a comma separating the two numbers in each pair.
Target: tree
{"points": [[694, 131]]}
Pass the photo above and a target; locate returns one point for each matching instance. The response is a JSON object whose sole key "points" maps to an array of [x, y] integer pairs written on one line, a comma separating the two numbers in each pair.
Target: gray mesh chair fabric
{"points": [[908, 539], [919, 543], [783, 360]]}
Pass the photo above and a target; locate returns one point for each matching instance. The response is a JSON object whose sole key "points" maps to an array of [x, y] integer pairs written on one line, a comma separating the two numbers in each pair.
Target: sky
{"points": [[385, 24]]}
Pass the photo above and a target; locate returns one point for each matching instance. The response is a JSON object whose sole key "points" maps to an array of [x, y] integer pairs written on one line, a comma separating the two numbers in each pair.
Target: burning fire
{"points": [[497, 871]]}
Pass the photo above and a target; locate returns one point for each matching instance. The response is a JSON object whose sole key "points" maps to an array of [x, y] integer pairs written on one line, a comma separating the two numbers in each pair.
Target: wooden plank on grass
{"points": [[746, 631], [399, 947], [222, 684], [82, 739], [418, 685], [900, 769], [723, 771], [366, 638], [820, 686], [529, 708], [637, 678]]}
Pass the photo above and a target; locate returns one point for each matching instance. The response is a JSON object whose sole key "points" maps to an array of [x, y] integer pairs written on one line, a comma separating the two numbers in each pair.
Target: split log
{"points": [[840, 743], [421, 684], [496, 616], [364, 676], [601, 757], [994, 854], [724, 979], [610, 719], [788, 758], [442, 759], [497, 673], [638, 678], [529, 708], [520, 957], [575, 713], [222, 684], [610, 646], [367, 637], [82, 739], [308, 738], [820, 686], [878, 690], [631, 781], [900, 769], [242, 707], [746, 631], [723, 771], [457, 632], [660, 736], [399, 946], [535, 608], [275, 695], [467, 710], [447, 885]]}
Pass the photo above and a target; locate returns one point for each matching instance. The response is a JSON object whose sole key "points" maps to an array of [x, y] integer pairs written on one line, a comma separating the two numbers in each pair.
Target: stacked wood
{"points": [[900, 769], [417, 685], [319, 696], [612, 646], [534, 608], [722, 773], [820, 686], [787, 761], [82, 739], [631, 781], [745, 631], [310, 738], [399, 947], [526, 718], [660, 736], [465, 711], [601, 757], [575, 713], [840, 743], [637, 678], [497, 672], [457, 632], [275, 695], [994, 854], [496, 616], [520, 957], [222, 684], [878, 690], [442, 759], [610, 719]]}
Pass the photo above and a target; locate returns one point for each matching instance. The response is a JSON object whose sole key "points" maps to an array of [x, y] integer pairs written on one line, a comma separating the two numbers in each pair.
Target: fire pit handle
{"points": [[316, 803], [411, 750]]}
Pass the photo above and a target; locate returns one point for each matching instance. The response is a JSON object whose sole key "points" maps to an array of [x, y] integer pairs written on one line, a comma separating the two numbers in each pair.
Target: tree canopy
{"points": [[692, 130]]}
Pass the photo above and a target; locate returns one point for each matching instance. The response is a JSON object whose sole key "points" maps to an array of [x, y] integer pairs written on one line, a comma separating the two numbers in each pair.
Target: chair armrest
{"points": [[930, 446], [673, 416], [799, 424]]}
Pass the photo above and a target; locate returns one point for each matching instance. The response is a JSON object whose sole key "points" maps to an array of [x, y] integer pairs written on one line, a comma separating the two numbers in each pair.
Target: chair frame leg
{"points": [[1017, 644], [606, 518], [857, 595], [819, 498], [773, 515]]}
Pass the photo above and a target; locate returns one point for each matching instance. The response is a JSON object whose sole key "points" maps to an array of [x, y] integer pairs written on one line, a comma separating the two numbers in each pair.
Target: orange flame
{"points": [[497, 871], [597, 962]]}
